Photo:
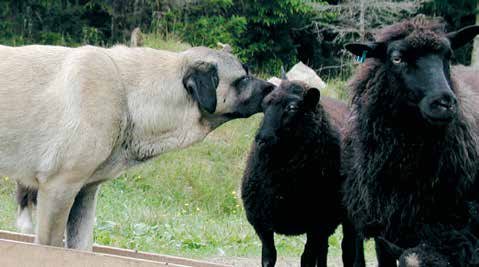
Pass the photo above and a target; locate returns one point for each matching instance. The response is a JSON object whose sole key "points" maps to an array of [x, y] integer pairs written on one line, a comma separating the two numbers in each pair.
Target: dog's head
{"points": [[221, 85]]}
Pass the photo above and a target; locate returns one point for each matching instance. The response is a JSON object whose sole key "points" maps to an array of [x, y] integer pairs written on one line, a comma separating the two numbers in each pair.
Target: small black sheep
{"points": [[292, 182], [411, 149], [442, 245]]}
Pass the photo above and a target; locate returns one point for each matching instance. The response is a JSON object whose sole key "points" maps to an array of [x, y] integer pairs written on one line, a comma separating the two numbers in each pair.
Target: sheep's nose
{"points": [[440, 108], [444, 101]]}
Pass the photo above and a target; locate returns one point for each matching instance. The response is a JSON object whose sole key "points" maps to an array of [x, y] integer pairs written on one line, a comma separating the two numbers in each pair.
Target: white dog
{"points": [[71, 118]]}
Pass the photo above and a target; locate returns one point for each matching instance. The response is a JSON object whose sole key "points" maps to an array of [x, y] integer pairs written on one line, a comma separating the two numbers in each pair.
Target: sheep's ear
{"points": [[390, 247], [201, 80], [370, 49], [463, 36], [311, 98]]}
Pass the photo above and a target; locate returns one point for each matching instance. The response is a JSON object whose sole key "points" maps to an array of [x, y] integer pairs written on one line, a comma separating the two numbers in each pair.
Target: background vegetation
{"points": [[265, 34], [187, 202]]}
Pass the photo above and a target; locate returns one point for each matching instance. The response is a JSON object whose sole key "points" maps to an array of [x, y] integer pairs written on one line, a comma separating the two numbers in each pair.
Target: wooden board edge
{"points": [[107, 250]]}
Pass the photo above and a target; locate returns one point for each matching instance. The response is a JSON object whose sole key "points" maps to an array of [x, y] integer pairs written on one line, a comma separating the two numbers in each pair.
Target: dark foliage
{"points": [[265, 34], [72, 22]]}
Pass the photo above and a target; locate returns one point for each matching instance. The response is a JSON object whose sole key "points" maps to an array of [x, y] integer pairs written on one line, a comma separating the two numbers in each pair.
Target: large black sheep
{"points": [[411, 146], [292, 181]]}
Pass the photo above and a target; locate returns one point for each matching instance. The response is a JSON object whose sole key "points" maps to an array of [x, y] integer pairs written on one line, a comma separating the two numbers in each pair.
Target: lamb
{"points": [[411, 146], [293, 175], [442, 245]]}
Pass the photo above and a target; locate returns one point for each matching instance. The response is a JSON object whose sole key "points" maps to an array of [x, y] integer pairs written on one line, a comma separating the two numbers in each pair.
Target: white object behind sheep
{"points": [[301, 72]]}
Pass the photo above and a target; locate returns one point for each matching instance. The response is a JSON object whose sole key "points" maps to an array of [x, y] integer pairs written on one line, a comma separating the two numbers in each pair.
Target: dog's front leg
{"points": [[82, 218], [55, 199]]}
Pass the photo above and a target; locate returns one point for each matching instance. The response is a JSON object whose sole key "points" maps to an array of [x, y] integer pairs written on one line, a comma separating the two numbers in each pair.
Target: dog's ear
{"points": [[201, 80]]}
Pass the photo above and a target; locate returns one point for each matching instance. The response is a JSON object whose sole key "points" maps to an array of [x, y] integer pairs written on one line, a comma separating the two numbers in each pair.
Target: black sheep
{"points": [[442, 245], [292, 182], [411, 147]]}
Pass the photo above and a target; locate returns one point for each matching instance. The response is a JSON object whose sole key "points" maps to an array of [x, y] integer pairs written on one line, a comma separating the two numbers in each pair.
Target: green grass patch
{"points": [[160, 41]]}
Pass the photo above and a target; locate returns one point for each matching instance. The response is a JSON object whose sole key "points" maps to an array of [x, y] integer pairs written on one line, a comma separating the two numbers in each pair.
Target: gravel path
{"points": [[281, 262]]}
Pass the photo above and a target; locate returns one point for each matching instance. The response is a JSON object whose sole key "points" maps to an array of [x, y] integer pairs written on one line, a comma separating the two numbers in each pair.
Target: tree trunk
{"points": [[362, 10]]}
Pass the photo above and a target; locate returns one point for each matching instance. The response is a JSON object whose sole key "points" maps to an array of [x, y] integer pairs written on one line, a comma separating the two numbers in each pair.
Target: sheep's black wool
{"points": [[411, 147], [292, 181]]}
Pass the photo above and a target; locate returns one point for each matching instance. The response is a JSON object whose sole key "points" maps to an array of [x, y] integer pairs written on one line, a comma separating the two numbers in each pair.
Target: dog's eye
{"points": [[240, 80]]}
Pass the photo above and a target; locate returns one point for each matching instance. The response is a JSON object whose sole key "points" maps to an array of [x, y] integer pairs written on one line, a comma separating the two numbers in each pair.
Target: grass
{"points": [[184, 203], [169, 42]]}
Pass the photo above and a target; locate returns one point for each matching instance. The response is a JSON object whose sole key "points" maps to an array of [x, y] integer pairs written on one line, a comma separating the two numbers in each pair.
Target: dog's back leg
{"points": [[26, 200], [82, 218], [55, 199]]}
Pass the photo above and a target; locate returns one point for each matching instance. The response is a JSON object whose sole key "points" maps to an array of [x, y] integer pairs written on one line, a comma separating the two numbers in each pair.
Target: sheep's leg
{"points": [[352, 246], [384, 258], [315, 250], [359, 252], [55, 198], [82, 218], [268, 253]]}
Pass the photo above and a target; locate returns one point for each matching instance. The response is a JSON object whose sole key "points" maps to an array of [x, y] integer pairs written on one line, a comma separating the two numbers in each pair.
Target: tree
{"points": [[475, 48], [357, 19]]}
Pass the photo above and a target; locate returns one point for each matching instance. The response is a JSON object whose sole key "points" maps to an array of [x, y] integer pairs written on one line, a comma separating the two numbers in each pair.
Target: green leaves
{"points": [[209, 30]]}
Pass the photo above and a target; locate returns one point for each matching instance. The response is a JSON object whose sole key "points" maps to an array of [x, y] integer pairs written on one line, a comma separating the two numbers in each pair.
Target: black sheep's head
{"points": [[415, 57], [284, 109], [422, 255]]}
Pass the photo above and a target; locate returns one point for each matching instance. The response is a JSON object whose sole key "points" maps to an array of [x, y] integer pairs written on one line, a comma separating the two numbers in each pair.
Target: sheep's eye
{"points": [[396, 60], [292, 107]]}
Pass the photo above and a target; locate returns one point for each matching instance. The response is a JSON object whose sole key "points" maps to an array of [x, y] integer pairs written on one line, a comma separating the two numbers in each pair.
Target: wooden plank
{"points": [[16, 236], [154, 257], [6, 235], [17, 254]]}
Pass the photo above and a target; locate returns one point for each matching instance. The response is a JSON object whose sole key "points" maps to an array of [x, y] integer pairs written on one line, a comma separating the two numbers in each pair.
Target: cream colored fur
{"points": [[73, 117]]}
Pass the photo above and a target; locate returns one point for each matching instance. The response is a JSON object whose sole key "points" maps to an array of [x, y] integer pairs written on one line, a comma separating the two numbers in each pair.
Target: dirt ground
{"points": [[281, 262]]}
